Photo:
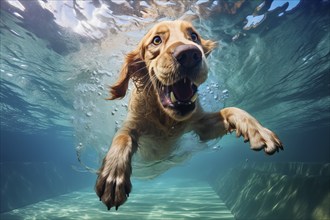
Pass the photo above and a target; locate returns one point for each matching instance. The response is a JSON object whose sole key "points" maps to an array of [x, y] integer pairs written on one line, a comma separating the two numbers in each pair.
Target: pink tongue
{"points": [[183, 90]]}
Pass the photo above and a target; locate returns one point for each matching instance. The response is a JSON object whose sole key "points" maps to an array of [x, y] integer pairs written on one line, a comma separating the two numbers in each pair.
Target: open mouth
{"points": [[180, 96]]}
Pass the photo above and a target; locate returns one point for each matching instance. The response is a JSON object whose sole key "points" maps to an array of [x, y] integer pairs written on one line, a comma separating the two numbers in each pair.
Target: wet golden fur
{"points": [[152, 129]]}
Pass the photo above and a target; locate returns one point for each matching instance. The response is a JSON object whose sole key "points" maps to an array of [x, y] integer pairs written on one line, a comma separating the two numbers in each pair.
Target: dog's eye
{"points": [[194, 37], [157, 40]]}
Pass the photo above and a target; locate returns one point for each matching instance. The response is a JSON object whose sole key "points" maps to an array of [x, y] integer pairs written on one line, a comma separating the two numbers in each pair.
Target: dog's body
{"points": [[167, 68]]}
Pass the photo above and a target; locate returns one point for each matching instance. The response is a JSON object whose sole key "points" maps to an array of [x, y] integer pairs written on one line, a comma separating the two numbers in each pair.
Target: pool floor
{"points": [[167, 199]]}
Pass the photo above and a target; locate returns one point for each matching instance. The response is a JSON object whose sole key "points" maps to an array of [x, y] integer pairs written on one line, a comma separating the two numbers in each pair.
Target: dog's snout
{"points": [[187, 55]]}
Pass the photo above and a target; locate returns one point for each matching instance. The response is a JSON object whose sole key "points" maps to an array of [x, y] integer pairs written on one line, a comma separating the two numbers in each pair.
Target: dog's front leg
{"points": [[113, 184], [213, 125]]}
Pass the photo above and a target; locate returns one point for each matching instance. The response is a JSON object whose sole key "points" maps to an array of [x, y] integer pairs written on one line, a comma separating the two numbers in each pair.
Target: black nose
{"points": [[187, 55]]}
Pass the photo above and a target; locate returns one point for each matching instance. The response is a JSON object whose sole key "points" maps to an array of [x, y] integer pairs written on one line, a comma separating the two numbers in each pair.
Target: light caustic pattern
{"points": [[170, 199]]}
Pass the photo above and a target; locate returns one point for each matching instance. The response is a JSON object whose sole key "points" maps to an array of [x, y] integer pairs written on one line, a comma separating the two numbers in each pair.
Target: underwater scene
{"points": [[59, 59]]}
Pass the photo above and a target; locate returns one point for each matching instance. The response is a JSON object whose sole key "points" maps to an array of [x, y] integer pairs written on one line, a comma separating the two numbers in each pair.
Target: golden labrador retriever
{"points": [[167, 67]]}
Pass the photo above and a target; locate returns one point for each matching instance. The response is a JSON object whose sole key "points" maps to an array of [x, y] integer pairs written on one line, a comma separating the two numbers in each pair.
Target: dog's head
{"points": [[172, 58]]}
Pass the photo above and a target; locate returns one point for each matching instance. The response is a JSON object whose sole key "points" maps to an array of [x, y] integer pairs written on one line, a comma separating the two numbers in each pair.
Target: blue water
{"points": [[58, 59]]}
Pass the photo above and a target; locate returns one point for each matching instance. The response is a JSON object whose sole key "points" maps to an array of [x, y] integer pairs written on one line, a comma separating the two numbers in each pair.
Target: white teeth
{"points": [[174, 100], [193, 99], [172, 96]]}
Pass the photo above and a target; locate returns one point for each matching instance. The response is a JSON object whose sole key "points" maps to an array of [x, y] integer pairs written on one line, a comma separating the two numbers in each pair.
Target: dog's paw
{"points": [[113, 184], [262, 138], [258, 136]]}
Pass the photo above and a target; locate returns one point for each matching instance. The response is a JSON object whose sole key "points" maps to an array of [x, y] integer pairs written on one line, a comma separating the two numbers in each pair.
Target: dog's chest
{"points": [[151, 148], [157, 144]]}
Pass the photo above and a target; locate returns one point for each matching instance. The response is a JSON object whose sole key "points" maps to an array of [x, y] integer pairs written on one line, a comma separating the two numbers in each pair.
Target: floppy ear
{"points": [[133, 66], [208, 46]]}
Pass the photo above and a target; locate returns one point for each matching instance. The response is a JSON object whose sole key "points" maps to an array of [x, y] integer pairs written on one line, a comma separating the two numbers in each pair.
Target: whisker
{"points": [[137, 71], [146, 84], [150, 84], [137, 62], [138, 78], [207, 52]]}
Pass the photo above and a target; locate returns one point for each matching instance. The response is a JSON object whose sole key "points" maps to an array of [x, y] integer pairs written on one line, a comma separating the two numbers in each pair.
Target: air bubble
{"points": [[79, 147]]}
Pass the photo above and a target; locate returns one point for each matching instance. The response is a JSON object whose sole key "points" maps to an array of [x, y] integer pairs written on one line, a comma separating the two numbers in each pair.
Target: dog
{"points": [[167, 68]]}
